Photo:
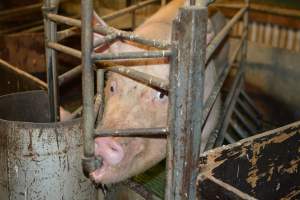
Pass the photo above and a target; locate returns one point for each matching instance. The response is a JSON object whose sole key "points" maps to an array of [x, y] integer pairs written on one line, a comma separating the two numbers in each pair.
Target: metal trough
{"points": [[39, 160]]}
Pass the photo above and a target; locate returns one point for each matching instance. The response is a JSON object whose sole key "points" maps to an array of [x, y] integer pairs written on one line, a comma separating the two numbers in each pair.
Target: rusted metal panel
{"points": [[186, 96], [39, 160], [265, 166]]}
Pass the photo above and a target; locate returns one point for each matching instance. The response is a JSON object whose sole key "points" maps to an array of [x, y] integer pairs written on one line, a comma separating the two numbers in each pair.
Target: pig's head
{"points": [[129, 104]]}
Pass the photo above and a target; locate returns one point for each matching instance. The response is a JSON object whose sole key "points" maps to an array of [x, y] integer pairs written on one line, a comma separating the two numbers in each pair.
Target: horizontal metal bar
{"points": [[64, 20], [69, 75], [127, 10], [106, 40], [222, 34], [6, 14], [263, 8], [20, 27], [144, 78], [131, 55], [162, 131], [64, 49], [109, 30], [41, 84], [67, 33], [76, 71], [220, 81]]}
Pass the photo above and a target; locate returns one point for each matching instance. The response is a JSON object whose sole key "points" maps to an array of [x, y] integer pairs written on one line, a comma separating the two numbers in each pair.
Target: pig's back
{"points": [[159, 25]]}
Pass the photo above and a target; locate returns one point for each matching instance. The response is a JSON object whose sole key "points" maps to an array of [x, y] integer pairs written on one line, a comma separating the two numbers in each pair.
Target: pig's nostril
{"points": [[110, 150]]}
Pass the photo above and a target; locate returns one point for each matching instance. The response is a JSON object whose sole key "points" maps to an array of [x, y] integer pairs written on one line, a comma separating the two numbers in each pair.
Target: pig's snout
{"points": [[109, 150]]}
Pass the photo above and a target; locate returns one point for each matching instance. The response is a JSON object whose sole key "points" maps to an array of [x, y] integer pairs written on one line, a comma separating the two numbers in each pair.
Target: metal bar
{"points": [[229, 138], [69, 75], [160, 44], [222, 34], [88, 161], [243, 120], [7, 14], [249, 112], [240, 132], [149, 80], [41, 84], [67, 33], [138, 132], [64, 49], [106, 40], [250, 102], [220, 81], [76, 71], [287, 12], [131, 55], [50, 6], [228, 108], [100, 93], [185, 102], [109, 30], [21, 27], [127, 10]]}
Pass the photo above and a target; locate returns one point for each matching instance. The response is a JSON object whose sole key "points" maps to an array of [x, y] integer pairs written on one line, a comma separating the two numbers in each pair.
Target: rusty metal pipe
{"points": [[127, 10], [64, 49], [50, 6], [138, 132], [88, 162], [263, 8], [109, 30], [215, 43], [41, 84], [132, 55], [208, 105]]}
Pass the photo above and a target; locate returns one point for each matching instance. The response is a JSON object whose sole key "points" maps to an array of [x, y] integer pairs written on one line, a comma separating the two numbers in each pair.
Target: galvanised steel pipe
{"points": [[131, 55], [215, 43], [109, 30], [137, 132], [89, 163], [50, 6], [220, 81], [41, 84]]}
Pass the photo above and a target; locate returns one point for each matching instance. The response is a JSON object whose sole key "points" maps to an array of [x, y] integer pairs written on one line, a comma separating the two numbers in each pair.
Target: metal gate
{"points": [[188, 54]]}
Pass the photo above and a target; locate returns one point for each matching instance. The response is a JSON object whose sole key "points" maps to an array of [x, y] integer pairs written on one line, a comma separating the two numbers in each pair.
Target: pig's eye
{"points": [[113, 87], [161, 95]]}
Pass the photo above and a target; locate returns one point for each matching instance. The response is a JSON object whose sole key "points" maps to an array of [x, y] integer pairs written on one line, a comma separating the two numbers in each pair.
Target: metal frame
{"points": [[186, 109]]}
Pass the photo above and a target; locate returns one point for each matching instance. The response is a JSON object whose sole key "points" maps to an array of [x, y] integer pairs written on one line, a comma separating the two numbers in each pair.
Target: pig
{"points": [[129, 104]]}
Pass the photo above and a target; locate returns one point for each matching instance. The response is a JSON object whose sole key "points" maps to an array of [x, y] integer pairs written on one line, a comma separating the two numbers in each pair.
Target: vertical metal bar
{"points": [[51, 6], [100, 92], [87, 86], [186, 101]]}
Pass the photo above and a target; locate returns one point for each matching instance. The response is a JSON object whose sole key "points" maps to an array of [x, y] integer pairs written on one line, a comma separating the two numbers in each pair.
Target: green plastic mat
{"points": [[154, 179]]}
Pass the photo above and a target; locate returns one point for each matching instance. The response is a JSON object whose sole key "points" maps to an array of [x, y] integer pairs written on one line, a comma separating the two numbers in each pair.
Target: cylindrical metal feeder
{"points": [[39, 160]]}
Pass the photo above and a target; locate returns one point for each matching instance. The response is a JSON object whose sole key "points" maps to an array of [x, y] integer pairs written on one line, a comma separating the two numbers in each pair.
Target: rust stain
{"points": [[291, 195], [294, 167]]}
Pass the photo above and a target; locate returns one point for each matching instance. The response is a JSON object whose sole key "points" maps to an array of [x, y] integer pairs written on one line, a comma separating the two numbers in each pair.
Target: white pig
{"points": [[129, 104]]}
